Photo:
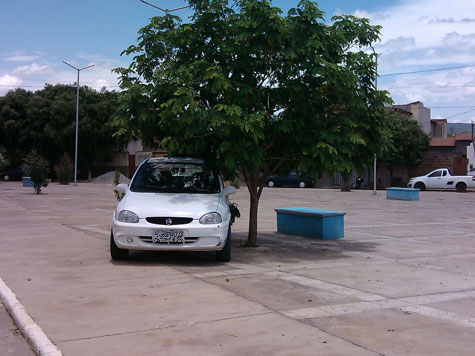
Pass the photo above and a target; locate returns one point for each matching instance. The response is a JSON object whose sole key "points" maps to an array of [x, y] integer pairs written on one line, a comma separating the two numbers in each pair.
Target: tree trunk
{"points": [[345, 185], [252, 236], [89, 173], [255, 191]]}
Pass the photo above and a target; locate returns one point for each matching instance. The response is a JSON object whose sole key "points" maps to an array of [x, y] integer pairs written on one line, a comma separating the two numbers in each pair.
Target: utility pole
{"points": [[166, 11], [375, 158], [77, 120]]}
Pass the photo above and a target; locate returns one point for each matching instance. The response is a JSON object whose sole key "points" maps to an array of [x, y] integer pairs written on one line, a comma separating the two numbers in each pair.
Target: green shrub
{"points": [[4, 163], [116, 177], [235, 213], [37, 168], [64, 170], [118, 195]]}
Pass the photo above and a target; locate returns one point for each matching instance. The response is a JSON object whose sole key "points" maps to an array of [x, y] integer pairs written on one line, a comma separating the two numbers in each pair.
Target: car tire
{"points": [[224, 255], [302, 185], [421, 186], [117, 254], [271, 184], [461, 187]]}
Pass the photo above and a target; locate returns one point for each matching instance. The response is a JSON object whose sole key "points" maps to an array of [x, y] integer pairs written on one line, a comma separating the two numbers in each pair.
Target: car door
{"points": [[445, 179], [293, 178], [434, 179]]}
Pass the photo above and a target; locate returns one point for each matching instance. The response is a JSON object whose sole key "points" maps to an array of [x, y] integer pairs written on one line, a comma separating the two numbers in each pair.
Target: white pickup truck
{"points": [[441, 179]]}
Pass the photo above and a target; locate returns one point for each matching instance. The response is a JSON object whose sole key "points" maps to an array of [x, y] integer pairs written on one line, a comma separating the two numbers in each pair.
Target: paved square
{"points": [[402, 281]]}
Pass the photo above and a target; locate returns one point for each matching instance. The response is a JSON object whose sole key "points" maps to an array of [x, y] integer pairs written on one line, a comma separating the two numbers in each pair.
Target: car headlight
{"points": [[211, 218], [128, 217]]}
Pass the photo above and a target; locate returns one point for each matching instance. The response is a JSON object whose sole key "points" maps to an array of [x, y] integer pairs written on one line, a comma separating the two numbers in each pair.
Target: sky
{"points": [[417, 35]]}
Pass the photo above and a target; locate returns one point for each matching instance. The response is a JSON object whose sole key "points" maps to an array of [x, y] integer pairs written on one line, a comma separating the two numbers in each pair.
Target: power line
{"points": [[462, 113], [427, 70]]}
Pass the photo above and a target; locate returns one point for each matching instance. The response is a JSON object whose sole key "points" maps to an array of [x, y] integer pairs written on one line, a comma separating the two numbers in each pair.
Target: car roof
{"points": [[176, 160]]}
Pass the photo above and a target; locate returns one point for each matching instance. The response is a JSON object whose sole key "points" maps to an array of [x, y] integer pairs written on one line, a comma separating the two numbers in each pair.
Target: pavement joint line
{"points": [[415, 304], [187, 324], [401, 225], [90, 228], [440, 314], [331, 287], [35, 336]]}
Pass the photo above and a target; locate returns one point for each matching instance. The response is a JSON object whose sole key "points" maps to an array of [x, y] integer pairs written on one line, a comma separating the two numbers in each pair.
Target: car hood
{"points": [[171, 204]]}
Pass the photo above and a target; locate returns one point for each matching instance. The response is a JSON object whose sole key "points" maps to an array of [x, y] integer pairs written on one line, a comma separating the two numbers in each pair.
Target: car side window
{"points": [[444, 173], [435, 174]]}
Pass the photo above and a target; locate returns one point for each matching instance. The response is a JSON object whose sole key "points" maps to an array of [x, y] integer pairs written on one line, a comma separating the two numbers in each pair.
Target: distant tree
{"points": [[17, 134], [64, 170], [37, 168], [46, 120], [407, 142], [253, 91]]}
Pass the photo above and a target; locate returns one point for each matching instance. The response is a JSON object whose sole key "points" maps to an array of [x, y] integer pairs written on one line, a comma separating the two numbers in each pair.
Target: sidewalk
{"points": [[402, 281]]}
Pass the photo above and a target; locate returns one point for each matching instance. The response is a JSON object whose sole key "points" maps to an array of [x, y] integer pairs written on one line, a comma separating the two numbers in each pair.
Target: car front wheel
{"points": [[302, 185], [117, 254], [421, 186], [270, 184], [225, 254]]}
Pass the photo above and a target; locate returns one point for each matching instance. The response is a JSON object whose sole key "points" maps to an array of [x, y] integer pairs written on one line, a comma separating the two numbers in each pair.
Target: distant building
{"points": [[419, 113], [438, 127], [447, 152]]}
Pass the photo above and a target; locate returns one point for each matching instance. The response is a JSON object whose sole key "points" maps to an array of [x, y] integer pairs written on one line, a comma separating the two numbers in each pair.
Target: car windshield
{"points": [[175, 178]]}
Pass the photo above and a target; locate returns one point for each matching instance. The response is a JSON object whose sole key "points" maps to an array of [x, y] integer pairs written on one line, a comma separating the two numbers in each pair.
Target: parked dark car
{"points": [[292, 179], [13, 173]]}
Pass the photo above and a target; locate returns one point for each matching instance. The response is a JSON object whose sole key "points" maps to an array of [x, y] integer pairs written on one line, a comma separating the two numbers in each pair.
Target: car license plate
{"points": [[168, 236]]}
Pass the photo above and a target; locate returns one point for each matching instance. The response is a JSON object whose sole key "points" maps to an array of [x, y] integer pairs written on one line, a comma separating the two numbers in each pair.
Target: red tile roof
{"points": [[439, 120], [442, 142], [465, 136]]}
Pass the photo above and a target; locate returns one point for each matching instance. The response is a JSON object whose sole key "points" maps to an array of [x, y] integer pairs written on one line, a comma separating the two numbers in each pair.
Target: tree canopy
{"points": [[45, 120], [407, 142], [251, 90]]}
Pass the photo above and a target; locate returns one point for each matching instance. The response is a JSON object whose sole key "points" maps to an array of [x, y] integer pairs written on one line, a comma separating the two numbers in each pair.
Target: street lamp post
{"points": [[166, 11], [77, 120]]}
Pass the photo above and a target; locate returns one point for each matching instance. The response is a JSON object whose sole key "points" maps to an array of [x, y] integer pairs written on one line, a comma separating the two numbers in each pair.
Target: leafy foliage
{"points": [[64, 170], [407, 142], [253, 91], [46, 120], [37, 168]]}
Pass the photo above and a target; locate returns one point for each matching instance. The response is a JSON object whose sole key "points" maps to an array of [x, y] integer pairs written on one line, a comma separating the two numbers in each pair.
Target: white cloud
{"points": [[8, 79], [33, 68], [427, 34], [20, 58]]}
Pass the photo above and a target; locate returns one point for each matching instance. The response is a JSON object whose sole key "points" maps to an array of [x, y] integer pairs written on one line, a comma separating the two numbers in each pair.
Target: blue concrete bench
{"points": [[27, 182], [322, 224], [396, 193]]}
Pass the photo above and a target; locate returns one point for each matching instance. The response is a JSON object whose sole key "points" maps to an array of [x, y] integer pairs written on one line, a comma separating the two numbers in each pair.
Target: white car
{"points": [[172, 204], [442, 179]]}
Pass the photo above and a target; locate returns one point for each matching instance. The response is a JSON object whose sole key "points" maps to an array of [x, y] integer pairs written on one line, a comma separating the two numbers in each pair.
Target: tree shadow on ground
{"points": [[273, 248]]}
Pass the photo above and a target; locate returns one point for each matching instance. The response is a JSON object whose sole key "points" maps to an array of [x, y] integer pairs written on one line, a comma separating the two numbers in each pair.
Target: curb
{"points": [[30, 330]]}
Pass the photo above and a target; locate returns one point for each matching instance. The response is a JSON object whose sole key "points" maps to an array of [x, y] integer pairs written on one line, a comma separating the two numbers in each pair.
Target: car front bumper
{"points": [[198, 237]]}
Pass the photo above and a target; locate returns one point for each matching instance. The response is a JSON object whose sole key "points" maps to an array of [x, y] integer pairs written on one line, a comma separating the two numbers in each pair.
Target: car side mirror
{"points": [[122, 188], [229, 190]]}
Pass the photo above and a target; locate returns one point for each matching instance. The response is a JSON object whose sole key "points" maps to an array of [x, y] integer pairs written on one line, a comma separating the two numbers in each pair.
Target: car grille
{"points": [[162, 220], [188, 240]]}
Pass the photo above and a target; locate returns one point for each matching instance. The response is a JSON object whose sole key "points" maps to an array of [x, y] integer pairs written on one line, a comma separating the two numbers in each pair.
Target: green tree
{"points": [[407, 142], [253, 91], [46, 120], [37, 168], [17, 134]]}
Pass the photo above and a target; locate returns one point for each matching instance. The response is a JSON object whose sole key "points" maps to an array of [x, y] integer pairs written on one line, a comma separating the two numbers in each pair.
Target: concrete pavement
{"points": [[12, 342], [402, 281]]}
